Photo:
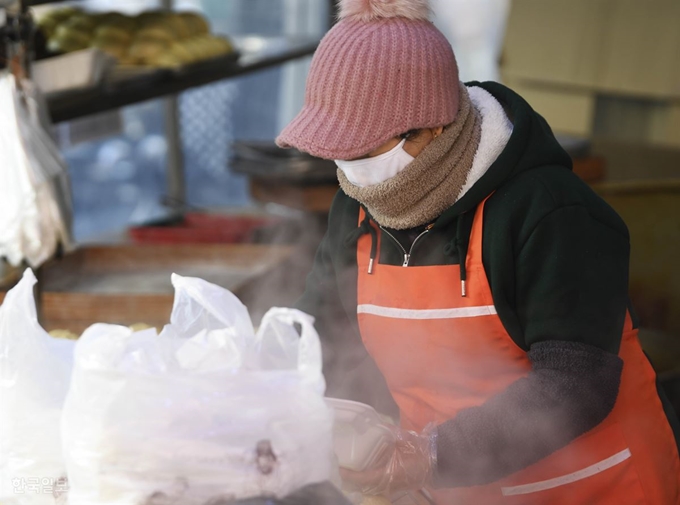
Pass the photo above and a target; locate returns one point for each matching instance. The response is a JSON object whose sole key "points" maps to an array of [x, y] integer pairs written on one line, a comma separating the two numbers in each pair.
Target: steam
{"points": [[350, 372]]}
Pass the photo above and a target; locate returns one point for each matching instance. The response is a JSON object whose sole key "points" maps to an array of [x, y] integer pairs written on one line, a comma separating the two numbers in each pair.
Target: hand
{"points": [[407, 466]]}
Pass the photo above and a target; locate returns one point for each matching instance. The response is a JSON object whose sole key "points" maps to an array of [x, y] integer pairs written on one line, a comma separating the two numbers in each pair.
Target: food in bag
{"points": [[206, 411]]}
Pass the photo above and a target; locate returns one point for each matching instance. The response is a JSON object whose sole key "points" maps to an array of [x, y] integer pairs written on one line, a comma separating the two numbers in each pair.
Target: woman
{"points": [[488, 283]]}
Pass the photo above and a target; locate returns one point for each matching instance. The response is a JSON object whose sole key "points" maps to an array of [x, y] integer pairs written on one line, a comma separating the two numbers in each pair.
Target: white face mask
{"points": [[370, 171]]}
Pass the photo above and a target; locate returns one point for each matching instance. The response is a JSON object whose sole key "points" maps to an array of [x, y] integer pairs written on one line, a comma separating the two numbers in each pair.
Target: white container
{"points": [[72, 71], [359, 435]]}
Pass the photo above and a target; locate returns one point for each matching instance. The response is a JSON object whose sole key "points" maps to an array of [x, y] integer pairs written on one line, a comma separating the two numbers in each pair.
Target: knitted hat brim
{"points": [[299, 135]]}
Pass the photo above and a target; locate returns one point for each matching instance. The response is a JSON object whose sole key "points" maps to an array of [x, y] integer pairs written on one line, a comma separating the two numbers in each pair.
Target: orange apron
{"points": [[441, 352]]}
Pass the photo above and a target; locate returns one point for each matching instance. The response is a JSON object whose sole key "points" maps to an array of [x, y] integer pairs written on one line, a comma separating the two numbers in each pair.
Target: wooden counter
{"points": [[131, 283]]}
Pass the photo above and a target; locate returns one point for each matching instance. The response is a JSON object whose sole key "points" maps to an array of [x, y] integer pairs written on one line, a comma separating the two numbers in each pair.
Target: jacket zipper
{"points": [[407, 255]]}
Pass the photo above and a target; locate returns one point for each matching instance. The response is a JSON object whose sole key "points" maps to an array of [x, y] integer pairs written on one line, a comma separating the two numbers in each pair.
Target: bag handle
{"points": [[309, 352]]}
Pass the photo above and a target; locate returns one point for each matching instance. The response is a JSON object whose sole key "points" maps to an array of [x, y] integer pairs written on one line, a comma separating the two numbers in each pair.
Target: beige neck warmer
{"points": [[431, 183]]}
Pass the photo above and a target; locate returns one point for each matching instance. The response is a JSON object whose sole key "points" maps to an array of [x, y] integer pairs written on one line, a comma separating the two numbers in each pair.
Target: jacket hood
{"points": [[531, 145]]}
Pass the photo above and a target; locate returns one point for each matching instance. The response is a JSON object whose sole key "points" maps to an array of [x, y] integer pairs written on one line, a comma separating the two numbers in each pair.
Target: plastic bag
{"points": [[34, 377], [35, 207], [206, 410], [17, 190], [48, 165]]}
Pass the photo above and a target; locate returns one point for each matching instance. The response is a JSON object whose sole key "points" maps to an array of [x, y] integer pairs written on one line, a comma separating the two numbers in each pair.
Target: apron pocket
{"points": [[597, 468]]}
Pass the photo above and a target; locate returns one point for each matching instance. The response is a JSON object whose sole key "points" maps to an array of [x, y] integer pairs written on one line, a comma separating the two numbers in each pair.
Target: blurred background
{"points": [[172, 164]]}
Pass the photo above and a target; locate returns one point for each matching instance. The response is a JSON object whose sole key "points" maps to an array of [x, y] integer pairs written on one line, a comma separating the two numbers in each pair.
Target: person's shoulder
{"points": [[550, 186], [343, 209], [343, 203], [534, 194], [529, 196], [343, 216]]}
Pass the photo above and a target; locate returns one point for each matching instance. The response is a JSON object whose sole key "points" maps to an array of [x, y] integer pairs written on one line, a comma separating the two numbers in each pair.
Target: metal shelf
{"points": [[31, 3], [256, 53]]}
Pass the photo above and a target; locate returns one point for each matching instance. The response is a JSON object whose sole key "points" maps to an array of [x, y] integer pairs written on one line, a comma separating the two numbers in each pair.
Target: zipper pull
{"points": [[407, 257]]}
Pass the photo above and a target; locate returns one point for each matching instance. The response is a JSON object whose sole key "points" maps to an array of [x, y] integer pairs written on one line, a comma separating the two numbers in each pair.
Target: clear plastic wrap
{"points": [[408, 465]]}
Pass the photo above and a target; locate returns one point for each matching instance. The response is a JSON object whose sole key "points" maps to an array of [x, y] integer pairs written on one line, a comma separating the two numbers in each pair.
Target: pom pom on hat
{"points": [[370, 10]]}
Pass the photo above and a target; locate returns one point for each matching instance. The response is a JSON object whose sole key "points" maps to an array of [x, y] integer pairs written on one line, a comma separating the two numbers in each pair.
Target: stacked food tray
{"points": [[154, 39]]}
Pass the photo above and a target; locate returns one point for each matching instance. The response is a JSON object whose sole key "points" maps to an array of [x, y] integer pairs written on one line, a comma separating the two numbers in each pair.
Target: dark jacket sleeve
{"points": [[571, 296]]}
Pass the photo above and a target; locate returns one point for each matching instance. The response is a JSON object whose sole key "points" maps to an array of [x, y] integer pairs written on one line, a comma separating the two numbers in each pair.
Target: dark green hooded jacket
{"points": [[556, 256]]}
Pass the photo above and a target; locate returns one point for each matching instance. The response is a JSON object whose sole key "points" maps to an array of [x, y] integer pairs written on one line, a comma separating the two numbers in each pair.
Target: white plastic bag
{"points": [[34, 377], [35, 198], [16, 189], [205, 410], [48, 166]]}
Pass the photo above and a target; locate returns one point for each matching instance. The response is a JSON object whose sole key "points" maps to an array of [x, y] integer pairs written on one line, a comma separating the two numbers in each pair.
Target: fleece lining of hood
{"points": [[496, 132], [531, 144]]}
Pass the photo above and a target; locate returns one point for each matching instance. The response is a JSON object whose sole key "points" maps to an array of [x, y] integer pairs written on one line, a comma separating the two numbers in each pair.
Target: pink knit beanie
{"points": [[382, 70]]}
